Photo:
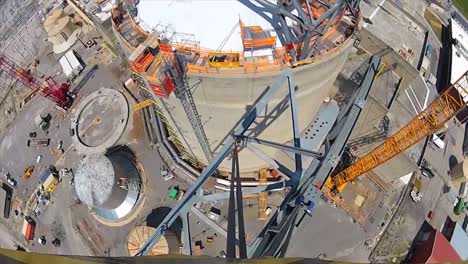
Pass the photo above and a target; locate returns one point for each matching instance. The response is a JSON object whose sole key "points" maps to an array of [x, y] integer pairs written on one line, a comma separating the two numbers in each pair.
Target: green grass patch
{"points": [[462, 5], [435, 23]]}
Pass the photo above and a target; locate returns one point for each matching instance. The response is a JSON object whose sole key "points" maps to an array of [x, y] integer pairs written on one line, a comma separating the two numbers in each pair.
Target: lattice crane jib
{"points": [[441, 110], [48, 88]]}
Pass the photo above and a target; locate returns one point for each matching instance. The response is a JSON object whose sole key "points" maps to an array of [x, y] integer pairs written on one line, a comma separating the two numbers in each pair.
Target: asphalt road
{"points": [[329, 231]]}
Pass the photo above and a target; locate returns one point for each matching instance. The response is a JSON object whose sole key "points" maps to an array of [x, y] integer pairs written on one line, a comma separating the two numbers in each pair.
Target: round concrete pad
{"points": [[94, 180], [100, 120]]}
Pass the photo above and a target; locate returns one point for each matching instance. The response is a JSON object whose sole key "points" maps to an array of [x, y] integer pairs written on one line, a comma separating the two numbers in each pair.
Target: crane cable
{"points": [[227, 37]]}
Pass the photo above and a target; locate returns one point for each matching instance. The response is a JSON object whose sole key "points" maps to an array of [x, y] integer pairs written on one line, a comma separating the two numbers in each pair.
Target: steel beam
{"points": [[231, 228], [271, 242], [308, 25], [246, 190], [186, 241], [274, 163], [240, 207], [295, 128], [190, 196], [283, 147]]}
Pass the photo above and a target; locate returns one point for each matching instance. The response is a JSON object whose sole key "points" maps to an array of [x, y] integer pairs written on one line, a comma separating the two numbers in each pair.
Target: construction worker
{"points": [[287, 59]]}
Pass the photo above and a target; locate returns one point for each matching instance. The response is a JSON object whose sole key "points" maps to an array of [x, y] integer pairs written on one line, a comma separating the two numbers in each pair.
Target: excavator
{"points": [[430, 120]]}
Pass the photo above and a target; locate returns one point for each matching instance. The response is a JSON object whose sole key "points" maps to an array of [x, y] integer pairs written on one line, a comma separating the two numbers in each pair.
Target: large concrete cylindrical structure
{"points": [[105, 184], [223, 95], [222, 100], [459, 174]]}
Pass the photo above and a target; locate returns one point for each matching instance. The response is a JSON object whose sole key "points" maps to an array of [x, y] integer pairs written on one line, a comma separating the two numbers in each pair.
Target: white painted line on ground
{"points": [[411, 101], [428, 91], [374, 13], [416, 98]]}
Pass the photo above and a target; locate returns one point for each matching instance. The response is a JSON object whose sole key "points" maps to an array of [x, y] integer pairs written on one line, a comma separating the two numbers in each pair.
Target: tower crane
{"points": [[441, 110], [48, 88]]}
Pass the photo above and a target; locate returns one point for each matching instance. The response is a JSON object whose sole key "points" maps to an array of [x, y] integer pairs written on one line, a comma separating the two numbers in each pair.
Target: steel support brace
{"points": [[283, 147], [309, 27], [249, 190], [231, 228], [190, 196], [296, 133], [240, 207], [186, 237], [271, 241], [274, 163]]}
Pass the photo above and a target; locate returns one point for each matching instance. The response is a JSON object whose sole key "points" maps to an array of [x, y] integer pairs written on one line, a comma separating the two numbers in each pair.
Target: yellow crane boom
{"points": [[441, 110]]}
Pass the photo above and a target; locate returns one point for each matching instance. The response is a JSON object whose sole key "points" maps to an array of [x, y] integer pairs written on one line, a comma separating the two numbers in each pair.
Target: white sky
{"points": [[209, 20]]}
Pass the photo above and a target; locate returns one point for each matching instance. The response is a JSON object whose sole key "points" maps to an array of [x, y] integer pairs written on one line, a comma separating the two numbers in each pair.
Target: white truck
{"points": [[71, 66]]}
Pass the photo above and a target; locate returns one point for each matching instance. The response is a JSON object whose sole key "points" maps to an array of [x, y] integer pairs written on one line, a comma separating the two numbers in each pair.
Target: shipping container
{"points": [[29, 226], [71, 65]]}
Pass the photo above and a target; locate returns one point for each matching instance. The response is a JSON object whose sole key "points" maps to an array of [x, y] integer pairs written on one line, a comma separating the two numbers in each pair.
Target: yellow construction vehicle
{"points": [[28, 171], [223, 59], [441, 110]]}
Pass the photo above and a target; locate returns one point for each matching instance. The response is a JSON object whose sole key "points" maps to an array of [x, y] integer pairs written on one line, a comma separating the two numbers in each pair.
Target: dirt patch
{"points": [[435, 23], [137, 131]]}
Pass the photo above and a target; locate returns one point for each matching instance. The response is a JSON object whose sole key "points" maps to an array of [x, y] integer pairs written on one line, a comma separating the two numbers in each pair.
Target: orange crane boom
{"points": [[441, 110]]}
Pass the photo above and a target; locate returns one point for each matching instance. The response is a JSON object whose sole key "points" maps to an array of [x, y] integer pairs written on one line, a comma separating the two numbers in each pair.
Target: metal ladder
{"points": [[176, 70]]}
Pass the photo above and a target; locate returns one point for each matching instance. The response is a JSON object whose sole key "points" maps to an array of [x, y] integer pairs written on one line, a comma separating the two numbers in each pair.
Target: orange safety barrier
{"points": [[143, 61], [138, 28]]}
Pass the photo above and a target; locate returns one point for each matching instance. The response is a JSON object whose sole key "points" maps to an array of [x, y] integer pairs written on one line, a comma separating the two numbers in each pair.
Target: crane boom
{"points": [[441, 110], [49, 88]]}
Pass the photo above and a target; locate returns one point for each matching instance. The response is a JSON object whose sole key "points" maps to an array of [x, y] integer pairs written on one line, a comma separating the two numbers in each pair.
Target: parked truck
{"points": [[29, 226], [49, 179], [71, 65]]}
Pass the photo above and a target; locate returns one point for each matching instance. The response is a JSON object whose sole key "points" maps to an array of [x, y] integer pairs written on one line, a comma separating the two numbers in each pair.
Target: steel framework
{"points": [[48, 88], [304, 184], [442, 109], [305, 30]]}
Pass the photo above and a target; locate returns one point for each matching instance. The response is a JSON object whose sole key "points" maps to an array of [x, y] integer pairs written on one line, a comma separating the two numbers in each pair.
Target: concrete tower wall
{"points": [[123, 168], [222, 100]]}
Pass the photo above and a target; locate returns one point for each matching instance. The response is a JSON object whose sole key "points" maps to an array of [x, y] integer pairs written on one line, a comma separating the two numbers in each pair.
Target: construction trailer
{"points": [[29, 226], [71, 65], [5, 203], [49, 180]]}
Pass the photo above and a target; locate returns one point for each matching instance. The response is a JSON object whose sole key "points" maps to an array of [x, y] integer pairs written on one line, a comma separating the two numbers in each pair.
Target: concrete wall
{"points": [[223, 100]]}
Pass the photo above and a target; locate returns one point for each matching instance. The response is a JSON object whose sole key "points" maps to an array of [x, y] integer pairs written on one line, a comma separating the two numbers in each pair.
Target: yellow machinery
{"points": [[143, 104], [262, 197], [28, 171], [223, 60], [441, 110]]}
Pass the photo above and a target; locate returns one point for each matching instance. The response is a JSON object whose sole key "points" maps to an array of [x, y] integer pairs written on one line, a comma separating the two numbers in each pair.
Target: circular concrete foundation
{"points": [[99, 121], [167, 244]]}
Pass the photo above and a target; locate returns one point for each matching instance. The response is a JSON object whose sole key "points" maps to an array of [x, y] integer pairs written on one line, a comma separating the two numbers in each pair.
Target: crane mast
{"points": [[50, 89], [441, 110]]}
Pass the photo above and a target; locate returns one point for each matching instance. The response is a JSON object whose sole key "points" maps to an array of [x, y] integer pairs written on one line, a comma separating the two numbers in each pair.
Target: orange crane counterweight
{"points": [[441, 110]]}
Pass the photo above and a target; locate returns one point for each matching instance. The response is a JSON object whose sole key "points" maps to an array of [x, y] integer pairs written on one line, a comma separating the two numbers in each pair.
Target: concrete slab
{"points": [[405, 31], [100, 120]]}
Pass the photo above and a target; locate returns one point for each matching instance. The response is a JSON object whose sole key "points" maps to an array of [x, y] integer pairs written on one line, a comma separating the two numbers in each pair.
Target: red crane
{"points": [[49, 88]]}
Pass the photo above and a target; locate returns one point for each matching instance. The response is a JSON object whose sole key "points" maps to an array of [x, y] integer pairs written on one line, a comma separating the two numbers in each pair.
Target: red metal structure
{"points": [[48, 88]]}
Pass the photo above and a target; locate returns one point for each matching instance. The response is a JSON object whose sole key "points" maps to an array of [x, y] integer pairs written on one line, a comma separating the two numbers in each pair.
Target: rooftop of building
{"points": [[436, 249], [459, 50], [459, 242]]}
